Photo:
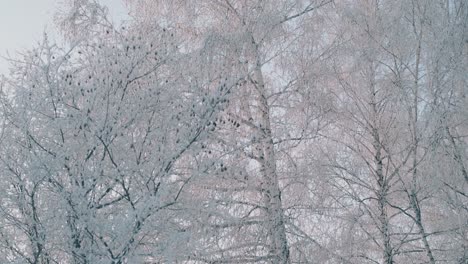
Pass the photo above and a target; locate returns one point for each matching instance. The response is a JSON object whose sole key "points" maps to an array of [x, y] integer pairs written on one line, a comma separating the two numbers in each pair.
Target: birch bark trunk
{"points": [[271, 191]]}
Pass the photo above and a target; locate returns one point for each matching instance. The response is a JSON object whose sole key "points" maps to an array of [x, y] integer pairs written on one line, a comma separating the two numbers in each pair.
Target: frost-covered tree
{"points": [[93, 138], [235, 131], [391, 134]]}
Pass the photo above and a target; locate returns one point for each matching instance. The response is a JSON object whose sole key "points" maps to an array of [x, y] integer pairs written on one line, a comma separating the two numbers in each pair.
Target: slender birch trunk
{"points": [[270, 190]]}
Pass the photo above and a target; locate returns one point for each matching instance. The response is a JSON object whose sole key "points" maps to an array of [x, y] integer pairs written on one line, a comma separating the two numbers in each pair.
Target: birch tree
{"points": [[236, 131], [89, 149]]}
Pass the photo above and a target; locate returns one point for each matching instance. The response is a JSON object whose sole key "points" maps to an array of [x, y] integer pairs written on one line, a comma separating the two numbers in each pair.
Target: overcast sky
{"points": [[22, 23]]}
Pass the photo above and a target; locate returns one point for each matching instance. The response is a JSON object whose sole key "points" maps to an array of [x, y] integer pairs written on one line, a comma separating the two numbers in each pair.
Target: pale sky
{"points": [[22, 23]]}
